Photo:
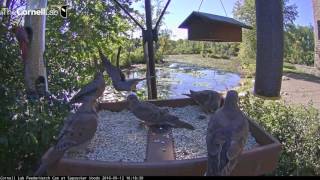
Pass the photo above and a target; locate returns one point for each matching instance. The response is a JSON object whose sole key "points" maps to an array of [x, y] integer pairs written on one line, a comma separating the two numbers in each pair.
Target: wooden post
{"points": [[118, 56], [269, 48], [148, 38], [316, 14], [35, 65], [149, 35]]}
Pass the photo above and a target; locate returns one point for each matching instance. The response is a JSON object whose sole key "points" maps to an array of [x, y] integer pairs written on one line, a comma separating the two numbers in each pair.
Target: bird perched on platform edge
{"points": [[119, 81], [226, 138], [79, 128], [208, 100], [91, 91]]}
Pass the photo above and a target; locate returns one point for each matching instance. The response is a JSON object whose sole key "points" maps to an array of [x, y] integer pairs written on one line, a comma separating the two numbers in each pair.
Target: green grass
{"points": [[290, 68], [228, 65]]}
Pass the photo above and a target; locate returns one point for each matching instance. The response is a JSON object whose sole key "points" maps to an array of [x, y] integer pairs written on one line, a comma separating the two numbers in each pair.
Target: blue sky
{"points": [[180, 9]]}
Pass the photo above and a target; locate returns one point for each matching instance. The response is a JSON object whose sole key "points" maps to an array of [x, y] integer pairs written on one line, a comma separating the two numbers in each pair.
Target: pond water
{"points": [[176, 78]]}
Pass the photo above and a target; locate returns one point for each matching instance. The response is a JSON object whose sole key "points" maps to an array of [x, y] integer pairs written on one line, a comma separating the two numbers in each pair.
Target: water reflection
{"points": [[177, 78]]}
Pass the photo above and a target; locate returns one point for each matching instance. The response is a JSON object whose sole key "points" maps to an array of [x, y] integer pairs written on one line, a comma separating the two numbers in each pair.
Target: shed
{"points": [[209, 27]]}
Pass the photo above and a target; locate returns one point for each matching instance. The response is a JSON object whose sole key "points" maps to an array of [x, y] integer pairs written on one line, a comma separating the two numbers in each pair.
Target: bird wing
{"points": [[115, 73], [89, 89], [218, 140], [67, 123], [225, 143], [175, 122], [146, 112]]}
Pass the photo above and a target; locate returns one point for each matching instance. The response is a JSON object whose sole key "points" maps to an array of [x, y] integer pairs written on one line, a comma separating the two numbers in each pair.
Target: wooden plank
{"points": [[160, 145]]}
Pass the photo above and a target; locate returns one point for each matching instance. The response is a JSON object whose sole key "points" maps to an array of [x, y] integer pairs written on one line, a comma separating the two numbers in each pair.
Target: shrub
{"points": [[296, 127]]}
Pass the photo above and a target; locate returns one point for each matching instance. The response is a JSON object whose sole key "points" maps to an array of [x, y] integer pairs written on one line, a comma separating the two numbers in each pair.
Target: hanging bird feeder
{"points": [[209, 27]]}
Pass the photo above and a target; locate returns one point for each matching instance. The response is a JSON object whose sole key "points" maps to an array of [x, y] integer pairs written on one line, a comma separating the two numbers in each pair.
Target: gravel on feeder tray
{"points": [[120, 137]]}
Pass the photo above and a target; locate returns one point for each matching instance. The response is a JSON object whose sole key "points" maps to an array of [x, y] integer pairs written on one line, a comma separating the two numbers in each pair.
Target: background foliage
{"points": [[296, 127], [27, 128]]}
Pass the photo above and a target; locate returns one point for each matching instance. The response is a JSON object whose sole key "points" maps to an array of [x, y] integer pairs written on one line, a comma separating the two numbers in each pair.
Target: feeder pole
{"points": [[148, 45], [270, 42], [149, 36]]}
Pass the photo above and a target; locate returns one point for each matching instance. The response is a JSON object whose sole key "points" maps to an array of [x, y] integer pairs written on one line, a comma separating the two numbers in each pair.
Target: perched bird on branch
{"points": [[119, 81], [78, 130], [227, 135], [152, 115], [208, 100], [24, 37]]}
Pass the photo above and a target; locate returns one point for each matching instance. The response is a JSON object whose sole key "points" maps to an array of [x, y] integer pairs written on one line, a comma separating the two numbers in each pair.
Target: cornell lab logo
{"points": [[63, 11]]}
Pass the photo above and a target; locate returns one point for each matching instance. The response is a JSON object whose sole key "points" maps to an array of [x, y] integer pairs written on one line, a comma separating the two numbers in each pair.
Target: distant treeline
{"points": [[298, 42]]}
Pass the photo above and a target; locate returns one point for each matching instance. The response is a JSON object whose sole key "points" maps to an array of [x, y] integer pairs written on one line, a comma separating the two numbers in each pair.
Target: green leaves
{"points": [[296, 127], [299, 45], [27, 129]]}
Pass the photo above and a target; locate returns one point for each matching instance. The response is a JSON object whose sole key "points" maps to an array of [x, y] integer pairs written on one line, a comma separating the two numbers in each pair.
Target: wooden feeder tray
{"points": [[209, 27], [257, 161]]}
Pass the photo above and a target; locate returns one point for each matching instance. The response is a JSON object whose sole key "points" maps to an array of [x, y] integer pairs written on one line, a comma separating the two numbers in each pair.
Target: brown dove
{"points": [[152, 115], [227, 135], [91, 91], [119, 81], [78, 130], [208, 100]]}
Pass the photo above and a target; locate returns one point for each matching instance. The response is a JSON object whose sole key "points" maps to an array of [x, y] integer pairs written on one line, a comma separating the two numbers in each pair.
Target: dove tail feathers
{"points": [[175, 122], [185, 125], [41, 170]]}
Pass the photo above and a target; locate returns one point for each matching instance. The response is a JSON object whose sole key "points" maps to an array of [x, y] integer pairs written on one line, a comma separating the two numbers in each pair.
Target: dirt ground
{"points": [[301, 88]]}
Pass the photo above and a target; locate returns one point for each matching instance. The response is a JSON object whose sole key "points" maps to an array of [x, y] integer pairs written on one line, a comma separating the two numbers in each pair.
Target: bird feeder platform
{"points": [[209, 27], [259, 160]]}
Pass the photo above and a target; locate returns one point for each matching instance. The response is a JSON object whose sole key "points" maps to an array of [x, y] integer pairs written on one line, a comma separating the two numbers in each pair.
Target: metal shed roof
{"points": [[212, 18]]}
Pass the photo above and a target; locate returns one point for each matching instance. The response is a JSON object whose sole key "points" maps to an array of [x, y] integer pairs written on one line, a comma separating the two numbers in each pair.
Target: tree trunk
{"points": [[118, 56], [270, 42], [316, 13], [35, 67]]}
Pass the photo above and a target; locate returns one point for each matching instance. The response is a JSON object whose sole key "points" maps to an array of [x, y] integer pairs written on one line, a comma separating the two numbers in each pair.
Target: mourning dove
{"points": [[119, 81], [91, 91], [208, 100], [152, 115], [79, 129], [227, 135]]}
